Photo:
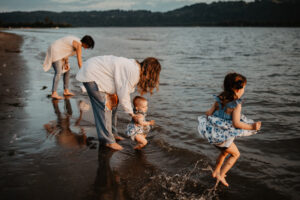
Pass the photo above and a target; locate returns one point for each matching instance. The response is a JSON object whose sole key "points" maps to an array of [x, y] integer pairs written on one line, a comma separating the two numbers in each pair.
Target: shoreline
{"points": [[13, 74]]}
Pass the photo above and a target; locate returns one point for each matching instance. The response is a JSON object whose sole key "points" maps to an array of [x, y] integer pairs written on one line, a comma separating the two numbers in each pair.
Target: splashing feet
{"points": [[222, 179]]}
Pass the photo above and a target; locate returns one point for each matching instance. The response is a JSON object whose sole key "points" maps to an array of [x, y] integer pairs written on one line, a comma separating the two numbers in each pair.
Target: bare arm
{"points": [[77, 46], [151, 122], [211, 110], [236, 120], [140, 120]]}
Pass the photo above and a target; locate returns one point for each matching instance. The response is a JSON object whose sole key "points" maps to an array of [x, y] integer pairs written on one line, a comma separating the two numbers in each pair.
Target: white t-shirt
{"points": [[60, 49], [113, 75]]}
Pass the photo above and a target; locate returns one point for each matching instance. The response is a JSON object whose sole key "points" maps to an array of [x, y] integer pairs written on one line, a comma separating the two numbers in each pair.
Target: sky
{"points": [[88, 5]]}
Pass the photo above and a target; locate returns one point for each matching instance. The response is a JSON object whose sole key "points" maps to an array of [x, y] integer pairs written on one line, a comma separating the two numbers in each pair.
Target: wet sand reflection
{"points": [[60, 129], [108, 182]]}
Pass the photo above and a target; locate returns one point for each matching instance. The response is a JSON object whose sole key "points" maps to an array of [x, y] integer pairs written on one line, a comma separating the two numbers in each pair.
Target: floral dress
{"points": [[133, 129], [218, 128]]}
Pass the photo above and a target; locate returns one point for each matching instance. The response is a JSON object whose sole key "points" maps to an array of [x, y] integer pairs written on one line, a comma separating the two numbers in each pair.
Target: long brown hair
{"points": [[232, 81], [149, 75]]}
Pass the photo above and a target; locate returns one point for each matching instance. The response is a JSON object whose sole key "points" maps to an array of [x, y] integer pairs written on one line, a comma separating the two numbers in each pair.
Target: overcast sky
{"points": [[87, 5]]}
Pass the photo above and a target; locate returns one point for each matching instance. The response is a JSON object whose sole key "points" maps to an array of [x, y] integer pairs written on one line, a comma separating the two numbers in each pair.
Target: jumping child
{"points": [[224, 121]]}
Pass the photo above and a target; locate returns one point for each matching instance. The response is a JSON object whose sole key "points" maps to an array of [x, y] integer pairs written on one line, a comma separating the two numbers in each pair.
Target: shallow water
{"points": [[49, 154]]}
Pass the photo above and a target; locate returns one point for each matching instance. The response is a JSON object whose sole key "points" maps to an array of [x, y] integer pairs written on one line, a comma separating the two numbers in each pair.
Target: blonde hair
{"points": [[138, 99]]}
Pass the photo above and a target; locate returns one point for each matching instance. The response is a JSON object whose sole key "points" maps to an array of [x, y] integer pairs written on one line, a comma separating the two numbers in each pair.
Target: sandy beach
{"points": [[13, 76]]}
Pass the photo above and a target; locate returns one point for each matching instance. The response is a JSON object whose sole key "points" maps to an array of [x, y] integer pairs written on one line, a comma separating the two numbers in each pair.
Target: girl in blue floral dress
{"points": [[224, 121]]}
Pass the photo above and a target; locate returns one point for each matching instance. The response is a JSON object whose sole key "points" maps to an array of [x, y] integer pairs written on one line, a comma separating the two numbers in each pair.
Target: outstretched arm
{"points": [[151, 122], [77, 46], [236, 120], [140, 120]]}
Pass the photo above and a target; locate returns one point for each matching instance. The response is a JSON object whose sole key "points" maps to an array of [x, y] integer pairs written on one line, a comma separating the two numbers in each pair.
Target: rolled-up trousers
{"points": [[105, 115]]}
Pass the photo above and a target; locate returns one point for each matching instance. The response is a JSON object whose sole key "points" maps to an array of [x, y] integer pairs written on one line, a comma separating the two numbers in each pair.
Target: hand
{"points": [[134, 117], [67, 66], [152, 122], [256, 125]]}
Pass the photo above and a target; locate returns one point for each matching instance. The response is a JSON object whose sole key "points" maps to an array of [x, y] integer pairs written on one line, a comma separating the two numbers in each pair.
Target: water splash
{"points": [[181, 186]]}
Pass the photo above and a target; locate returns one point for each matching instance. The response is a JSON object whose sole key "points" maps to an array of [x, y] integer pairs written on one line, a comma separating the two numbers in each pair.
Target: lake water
{"points": [[176, 163]]}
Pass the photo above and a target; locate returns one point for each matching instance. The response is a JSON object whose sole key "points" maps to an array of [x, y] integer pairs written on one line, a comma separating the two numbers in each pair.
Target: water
{"points": [[63, 163]]}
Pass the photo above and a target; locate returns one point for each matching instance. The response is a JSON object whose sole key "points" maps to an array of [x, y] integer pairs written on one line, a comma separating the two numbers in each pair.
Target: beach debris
{"points": [[0, 74], [4, 65], [44, 87], [7, 90], [12, 50], [11, 152], [15, 104]]}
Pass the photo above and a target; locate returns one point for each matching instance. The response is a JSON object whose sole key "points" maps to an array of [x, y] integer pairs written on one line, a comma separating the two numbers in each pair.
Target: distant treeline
{"points": [[46, 23], [258, 13]]}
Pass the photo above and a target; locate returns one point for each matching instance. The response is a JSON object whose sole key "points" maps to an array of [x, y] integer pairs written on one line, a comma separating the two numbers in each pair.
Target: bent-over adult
{"points": [[109, 81], [58, 56]]}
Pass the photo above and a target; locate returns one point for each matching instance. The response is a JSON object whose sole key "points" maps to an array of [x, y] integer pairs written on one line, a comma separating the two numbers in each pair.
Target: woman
{"points": [[109, 80], [58, 56]]}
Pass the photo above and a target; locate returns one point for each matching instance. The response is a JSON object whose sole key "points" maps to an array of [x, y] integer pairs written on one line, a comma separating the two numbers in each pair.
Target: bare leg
{"points": [[234, 155], [141, 139], [219, 163]]}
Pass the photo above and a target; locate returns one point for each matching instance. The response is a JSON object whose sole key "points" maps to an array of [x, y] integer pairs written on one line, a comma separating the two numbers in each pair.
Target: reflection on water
{"points": [[60, 128], [107, 183]]}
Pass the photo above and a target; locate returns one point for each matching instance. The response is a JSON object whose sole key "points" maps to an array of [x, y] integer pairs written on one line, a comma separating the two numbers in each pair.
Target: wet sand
{"points": [[13, 84], [13, 77]]}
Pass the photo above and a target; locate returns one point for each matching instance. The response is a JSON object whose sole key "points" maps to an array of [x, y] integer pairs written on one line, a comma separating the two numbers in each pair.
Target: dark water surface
{"points": [[53, 154]]}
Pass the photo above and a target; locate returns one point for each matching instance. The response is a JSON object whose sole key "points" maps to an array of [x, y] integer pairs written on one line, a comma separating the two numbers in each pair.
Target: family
{"points": [[109, 80]]}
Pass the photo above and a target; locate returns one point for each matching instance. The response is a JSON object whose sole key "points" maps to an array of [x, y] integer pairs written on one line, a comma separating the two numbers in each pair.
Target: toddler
{"points": [[138, 128]]}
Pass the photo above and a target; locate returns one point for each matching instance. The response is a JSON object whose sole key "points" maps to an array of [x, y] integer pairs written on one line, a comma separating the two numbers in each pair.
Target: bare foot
{"points": [[114, 146], [222, 180], [49, 128], [68, 93], [214, 173], [139, 146], [118, 137], [56, 96]]}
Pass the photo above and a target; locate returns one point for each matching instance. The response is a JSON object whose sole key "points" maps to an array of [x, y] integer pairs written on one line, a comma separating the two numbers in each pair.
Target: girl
{"points": [[58, 55], [223, 122]]}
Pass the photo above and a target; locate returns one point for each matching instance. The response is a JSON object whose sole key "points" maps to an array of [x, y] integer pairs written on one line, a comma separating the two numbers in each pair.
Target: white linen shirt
{"points": [[60, 49], [113, 75]]}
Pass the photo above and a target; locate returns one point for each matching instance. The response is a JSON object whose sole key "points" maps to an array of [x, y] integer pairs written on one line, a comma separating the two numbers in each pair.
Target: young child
{"points": [[138, 128], [224, 121]]}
